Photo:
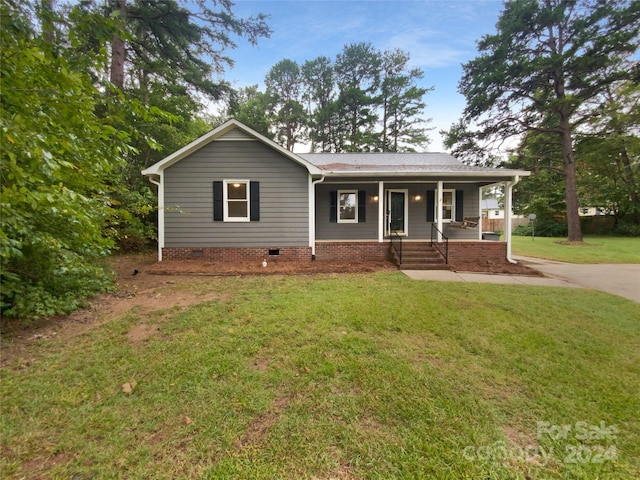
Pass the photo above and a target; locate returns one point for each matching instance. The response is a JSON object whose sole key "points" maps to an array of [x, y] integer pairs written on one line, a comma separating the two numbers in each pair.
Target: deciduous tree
{"points": [[549, 60]]}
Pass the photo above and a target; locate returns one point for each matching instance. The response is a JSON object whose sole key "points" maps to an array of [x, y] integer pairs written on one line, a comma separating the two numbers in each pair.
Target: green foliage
{"points": [[73, 145], [284, 89], [365, 100], [545, 227], [627, 230], [402, 104], [546, 69], [185, 45], [609, 153], [50, 283], [58, 158], [251, 107]]}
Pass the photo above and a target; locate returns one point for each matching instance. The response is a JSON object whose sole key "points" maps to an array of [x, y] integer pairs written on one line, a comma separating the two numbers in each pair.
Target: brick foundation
{"points": [[357, 251], [465, 252], [238, 254], [459, 252]]}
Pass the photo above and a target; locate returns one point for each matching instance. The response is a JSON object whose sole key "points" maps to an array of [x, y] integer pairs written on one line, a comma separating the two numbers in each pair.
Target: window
{"points": [[448, 205], [347, 206], [236, 200], [452, 205]]}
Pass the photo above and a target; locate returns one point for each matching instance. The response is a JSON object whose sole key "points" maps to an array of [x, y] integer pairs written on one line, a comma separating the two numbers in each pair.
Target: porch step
{"points": [[420, 256]]}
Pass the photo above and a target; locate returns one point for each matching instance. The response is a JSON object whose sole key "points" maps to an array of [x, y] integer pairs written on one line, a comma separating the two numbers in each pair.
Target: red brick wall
{"points": [[237, 254], [477, 251], [357, 251], [468, 251]]}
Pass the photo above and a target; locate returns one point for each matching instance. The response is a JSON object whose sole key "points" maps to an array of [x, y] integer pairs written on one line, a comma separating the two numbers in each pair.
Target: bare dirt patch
{"points": [[261, 364], [141, 332], [258, 428]]}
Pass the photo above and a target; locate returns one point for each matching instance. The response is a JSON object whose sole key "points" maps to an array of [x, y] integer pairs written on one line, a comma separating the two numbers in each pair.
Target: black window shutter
{"points": [[431, 205], [254, 201], [218, 210], [362, 208], [459, 205], [333, 206]]}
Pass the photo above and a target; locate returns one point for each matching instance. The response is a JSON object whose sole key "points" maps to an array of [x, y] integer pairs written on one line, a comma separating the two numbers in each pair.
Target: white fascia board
{"points": [[499, 175], [217, 132]]}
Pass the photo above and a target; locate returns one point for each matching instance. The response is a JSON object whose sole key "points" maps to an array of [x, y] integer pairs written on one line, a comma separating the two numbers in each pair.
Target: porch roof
{"points": [[402, 164]]}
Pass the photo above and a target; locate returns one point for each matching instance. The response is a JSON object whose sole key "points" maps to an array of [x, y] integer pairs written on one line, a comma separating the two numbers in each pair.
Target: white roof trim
{"points": [[497, 173], [198, 143]]}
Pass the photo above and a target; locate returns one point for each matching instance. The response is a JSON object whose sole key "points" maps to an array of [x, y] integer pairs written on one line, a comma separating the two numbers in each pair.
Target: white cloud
{"points": [[427, 49]]}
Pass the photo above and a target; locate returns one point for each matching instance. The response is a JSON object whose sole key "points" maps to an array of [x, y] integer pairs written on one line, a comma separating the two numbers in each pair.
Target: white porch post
{"points": [[439, 210], [508, 207], [480, 226], [381, 218]]}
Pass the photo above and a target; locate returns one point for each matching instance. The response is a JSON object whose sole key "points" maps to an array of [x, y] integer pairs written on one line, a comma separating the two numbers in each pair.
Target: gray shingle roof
{"points": [[417, 163]]}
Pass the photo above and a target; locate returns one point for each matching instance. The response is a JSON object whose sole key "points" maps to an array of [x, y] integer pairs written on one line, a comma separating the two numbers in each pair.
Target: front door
{"points": [[396, 209]]}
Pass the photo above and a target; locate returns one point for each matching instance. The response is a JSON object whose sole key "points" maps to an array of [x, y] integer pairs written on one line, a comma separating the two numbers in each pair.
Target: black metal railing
{"points": [[441, 246], [396, 244]]}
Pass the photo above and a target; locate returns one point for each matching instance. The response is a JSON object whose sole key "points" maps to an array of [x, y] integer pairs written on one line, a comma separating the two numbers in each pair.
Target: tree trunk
{"points": [[48, 27], [118, 48], [570, 184]]}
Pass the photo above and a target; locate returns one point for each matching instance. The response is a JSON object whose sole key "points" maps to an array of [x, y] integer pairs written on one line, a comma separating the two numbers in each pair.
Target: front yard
{"points": [[595, 249], [348, 376]]}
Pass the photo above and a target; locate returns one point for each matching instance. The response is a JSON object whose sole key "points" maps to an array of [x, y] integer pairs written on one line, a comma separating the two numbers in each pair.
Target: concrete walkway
{"points": [[618, 279]]}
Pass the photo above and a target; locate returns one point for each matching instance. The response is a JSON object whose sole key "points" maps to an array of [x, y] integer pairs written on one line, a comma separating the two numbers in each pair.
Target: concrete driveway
{"points": [[618, 279], [621, 279]]}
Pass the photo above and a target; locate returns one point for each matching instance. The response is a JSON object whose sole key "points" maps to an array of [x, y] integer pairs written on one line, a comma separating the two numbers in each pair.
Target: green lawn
{"points": [[344, 376], [594, 249]]}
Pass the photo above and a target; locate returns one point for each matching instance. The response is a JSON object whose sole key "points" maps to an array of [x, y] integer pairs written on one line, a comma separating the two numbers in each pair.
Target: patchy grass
{"points": [[592, 250], [344, 376]]}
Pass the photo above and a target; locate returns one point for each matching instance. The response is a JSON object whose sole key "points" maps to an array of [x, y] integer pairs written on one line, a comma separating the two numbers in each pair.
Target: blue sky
{"points": [[439, 35]]}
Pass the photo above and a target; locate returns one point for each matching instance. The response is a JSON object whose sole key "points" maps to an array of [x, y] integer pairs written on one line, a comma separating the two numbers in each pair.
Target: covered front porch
{"points": [[360, 219]]}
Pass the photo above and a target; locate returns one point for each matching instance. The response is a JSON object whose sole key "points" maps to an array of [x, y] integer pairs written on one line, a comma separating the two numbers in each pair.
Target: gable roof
{"points": [[406, 164], [490, 204], [215, 134], [346, 164]]}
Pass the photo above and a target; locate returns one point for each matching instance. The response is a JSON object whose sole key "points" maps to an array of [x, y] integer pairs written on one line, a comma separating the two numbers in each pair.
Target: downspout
{"points": [[160, 214], [439, 209], [312, 215], [508, 202]]}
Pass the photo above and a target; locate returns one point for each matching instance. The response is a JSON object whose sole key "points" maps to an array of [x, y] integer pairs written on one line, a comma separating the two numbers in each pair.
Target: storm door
{"points": [[396, 209]]}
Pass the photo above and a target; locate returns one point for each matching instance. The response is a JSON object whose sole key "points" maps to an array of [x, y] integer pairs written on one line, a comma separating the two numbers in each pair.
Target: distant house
{"points": [[491, 209], [234, 194], [590, 211]]}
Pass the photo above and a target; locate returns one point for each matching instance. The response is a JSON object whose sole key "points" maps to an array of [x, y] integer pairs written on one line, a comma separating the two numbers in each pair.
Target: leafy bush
{"points": [[627, 230], [542, 228], [58, 160], [56, 285]]}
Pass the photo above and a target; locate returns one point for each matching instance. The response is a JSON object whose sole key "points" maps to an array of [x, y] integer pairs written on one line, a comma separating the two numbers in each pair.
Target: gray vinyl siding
{"points": [[418, 228], [284, 202], [471, 209], [326, 230]]}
